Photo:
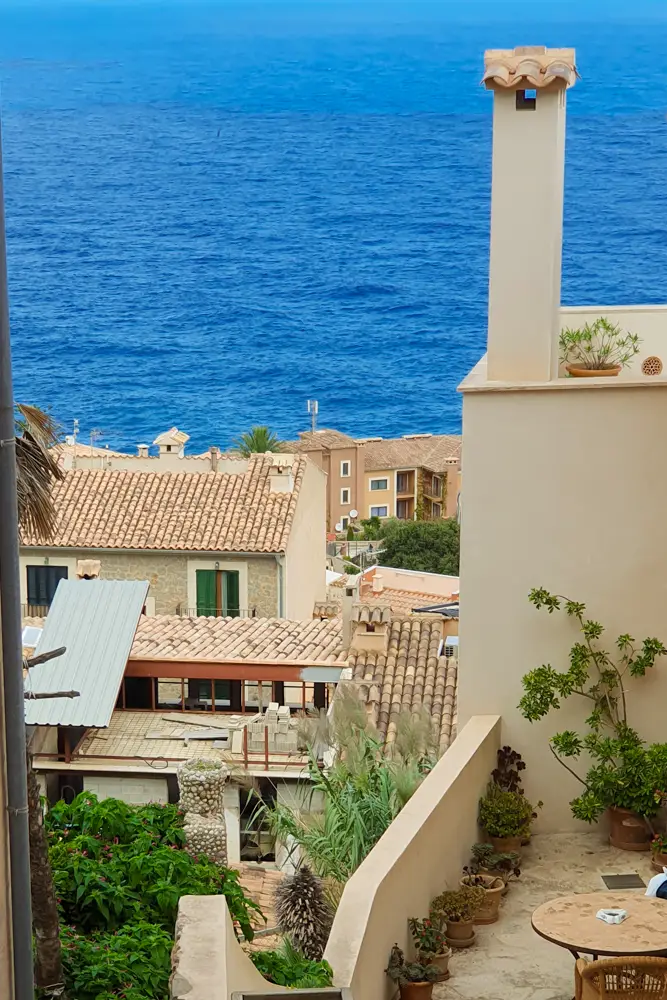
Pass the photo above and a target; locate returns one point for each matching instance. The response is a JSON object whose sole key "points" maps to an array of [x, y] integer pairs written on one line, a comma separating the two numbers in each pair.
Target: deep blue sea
{"points": [[217, 210]]}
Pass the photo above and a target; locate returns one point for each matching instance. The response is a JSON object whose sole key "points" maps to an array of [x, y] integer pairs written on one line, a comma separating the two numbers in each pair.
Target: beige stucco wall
{"points": [[379, 498], [172, 577], [420, 854], [648, 322], [527, 185], [208, 962], [579, 510], [305, 558], [414, 581]]}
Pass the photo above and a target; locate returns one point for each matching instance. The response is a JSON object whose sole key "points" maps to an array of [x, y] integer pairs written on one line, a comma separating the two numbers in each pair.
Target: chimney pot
{"points": [[142, 450]]}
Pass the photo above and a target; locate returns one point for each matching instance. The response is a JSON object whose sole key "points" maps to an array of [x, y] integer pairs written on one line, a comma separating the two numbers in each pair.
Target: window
{"points": [[345, 495], [168, 448], [379, 484], [436, 510], [379, 511], [218, 593], [436, 486], [345, 469], [402, 483], [345, 521], [43, 582], [526, 100]]}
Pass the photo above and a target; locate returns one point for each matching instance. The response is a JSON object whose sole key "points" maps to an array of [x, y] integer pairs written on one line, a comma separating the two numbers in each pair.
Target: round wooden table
{"points": [[571, 923]]}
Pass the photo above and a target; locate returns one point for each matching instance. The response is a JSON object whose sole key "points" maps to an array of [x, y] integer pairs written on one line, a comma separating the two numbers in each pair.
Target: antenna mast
{"points": [[312, 409]]}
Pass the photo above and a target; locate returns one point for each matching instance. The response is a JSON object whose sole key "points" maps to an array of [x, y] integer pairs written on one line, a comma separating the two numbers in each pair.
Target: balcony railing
{"points": [[34, 610], [218, 612]]}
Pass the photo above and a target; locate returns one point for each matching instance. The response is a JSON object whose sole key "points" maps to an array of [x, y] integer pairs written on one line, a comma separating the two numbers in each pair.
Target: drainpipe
{"points": [[280, 560], [12, 656]]}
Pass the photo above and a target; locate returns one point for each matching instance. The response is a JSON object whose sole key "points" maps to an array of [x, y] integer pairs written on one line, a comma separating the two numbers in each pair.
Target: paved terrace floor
{"points": [[508, 960]]}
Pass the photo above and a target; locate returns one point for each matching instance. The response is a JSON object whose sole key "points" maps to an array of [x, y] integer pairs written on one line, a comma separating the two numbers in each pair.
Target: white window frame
{"points": [[378, 489], [436, 492], [345, 495], [382, 506], [345, 463], [433, 513]]}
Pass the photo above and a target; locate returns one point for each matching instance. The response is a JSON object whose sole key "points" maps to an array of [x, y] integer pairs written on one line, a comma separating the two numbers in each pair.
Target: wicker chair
{"points": [[640, 978]]}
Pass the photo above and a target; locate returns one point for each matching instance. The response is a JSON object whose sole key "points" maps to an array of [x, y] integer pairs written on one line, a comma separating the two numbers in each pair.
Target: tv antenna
{"points": [[313, 409]]}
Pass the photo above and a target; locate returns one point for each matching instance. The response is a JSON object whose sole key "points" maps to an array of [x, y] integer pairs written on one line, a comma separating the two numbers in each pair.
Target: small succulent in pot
{"points": [[458, 909], [600, 348], [486, 860], [414, 979]]}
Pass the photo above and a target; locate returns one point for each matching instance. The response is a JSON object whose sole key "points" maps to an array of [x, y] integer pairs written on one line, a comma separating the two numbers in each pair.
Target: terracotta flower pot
{"points": [[494, 888], [658, 861], [496, 873], [416, 991], [627, 830], [460, 933], [441, 961], [576, 371], [506, 845]]}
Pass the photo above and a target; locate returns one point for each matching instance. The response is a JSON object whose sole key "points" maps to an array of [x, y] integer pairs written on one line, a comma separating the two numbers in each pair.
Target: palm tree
{"points": [[37, 469], [258, 439]]}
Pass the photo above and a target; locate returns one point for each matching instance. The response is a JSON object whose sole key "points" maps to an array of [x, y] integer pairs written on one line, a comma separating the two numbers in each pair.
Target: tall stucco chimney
{"points": [[349, 598], [528, 87], [213, 451], [142, 450]]}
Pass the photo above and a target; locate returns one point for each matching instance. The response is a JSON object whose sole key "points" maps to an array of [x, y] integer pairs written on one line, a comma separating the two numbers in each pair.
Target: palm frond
{"points": [[36, 471]]}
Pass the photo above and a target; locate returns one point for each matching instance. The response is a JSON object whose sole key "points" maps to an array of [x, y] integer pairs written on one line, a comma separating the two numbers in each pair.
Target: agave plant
{"points": [[303, 912]]}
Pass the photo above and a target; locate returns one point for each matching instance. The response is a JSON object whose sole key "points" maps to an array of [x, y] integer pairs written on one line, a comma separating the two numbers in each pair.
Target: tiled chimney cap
{"points": [[371, 614], [529, 67]]}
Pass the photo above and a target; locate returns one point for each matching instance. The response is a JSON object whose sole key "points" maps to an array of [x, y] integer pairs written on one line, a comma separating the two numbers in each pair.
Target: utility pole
{"points": [[12, 658], [312, 409]]}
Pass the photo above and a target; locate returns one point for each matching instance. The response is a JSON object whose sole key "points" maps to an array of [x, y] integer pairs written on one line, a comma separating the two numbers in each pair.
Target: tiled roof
{"points": [[410, 675], [326, 438], [260, 884], [529, 67], [253, 639], [428, 451], [87, 451], [137, 734], [172, 436], [186, 511], [402, 602]]}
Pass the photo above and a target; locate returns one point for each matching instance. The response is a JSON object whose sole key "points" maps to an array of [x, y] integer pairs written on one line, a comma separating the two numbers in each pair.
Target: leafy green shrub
{"points": [[288, 967], [133, 963], [504, 814], [625, 773], [458, 904], [119, 872]]}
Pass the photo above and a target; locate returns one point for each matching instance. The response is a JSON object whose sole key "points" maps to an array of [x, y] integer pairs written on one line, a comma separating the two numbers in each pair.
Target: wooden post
{"points": [[182, 694], [266, 747]]}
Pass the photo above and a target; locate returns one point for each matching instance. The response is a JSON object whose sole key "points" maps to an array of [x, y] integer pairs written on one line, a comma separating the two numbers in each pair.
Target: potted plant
{"points": [[414, 979], [486, 860], [507, 776], [430, 945], [627, 776], [598, 348], [493, 887], [659, 852], [505, 818], [457, 908]]}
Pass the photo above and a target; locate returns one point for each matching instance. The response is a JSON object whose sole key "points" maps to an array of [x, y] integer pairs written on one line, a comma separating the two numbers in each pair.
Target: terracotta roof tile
{"points": [[187, 511], [530, 67], [325, 438], [254, 639], [402, 602], [432, 451], [410, 675]]}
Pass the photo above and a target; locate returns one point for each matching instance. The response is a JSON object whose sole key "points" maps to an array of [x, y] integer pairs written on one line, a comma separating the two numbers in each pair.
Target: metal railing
{"points": [[34, 610], [185, 612]]}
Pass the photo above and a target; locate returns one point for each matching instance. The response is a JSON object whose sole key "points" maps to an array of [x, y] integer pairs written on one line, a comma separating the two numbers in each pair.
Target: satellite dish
{"points": [[354, 513], [339, 526]]}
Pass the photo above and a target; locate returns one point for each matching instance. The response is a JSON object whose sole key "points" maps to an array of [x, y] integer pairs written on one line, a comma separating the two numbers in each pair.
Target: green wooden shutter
{"points": [[230, 593], [206, 592]]}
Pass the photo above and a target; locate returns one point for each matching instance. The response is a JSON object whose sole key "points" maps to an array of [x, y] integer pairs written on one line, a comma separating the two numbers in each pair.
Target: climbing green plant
{"points": [[625, 772]]}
